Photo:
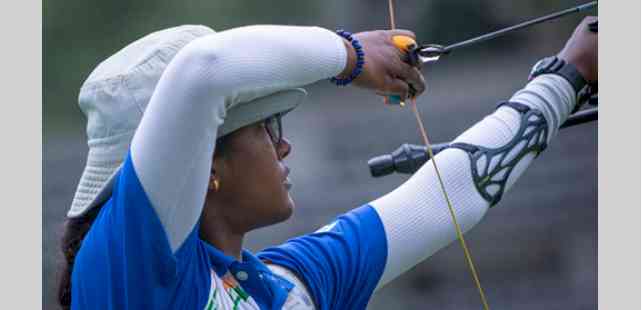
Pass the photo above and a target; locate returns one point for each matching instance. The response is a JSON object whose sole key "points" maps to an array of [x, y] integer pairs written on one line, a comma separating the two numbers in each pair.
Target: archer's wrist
{"points": [[351, 61], [584, 72]]}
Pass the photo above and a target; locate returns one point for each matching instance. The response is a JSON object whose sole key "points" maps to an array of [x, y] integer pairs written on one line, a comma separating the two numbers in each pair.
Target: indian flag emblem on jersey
{"points": [[227, 294]]}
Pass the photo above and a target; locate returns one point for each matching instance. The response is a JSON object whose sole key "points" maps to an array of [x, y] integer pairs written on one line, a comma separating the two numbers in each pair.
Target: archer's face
{"points": [[254, 189]]}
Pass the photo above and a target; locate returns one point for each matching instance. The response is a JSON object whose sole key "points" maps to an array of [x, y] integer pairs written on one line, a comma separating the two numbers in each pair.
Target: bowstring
{"points": [[451, 210]]}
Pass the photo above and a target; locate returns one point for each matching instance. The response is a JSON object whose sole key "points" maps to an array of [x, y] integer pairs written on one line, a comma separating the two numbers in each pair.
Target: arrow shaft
{"points": [[501, 32]]}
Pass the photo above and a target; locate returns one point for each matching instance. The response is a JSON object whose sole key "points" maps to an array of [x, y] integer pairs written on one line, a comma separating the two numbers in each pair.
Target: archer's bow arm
{"points": [[501, 146]]}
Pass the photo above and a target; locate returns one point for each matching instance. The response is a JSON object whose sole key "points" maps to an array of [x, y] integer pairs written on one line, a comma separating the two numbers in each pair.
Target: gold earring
{"points": [[216, 185]]}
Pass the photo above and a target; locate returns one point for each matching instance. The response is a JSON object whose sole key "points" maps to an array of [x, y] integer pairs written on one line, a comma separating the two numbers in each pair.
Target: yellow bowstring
{"points": [[431, 156]]}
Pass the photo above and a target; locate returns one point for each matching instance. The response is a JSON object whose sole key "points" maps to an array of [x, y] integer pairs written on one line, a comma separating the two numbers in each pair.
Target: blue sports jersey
{"points": [[125, 262]]}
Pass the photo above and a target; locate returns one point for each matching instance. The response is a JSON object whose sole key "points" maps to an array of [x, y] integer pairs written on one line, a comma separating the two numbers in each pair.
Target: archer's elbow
{"points": [[196, 65]]}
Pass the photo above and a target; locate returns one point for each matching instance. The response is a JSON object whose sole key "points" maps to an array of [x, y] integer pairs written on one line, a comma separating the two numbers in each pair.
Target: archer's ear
{"points": [[213, 182]]}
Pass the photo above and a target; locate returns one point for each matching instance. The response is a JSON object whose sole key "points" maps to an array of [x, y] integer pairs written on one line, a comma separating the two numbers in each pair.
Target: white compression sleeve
{"points": [[173, 146], [415, 216]]}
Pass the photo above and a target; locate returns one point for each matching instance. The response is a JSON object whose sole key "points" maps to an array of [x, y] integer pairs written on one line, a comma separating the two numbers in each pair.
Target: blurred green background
{"points": [[536, 250]]}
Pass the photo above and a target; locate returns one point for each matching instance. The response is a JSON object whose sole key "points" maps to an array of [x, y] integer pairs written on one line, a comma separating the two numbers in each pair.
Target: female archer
{"points": [[185, 157]]}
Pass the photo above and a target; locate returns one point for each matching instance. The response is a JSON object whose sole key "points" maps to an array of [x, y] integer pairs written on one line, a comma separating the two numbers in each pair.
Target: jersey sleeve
{"points": [[340, 263], [126, 261]]}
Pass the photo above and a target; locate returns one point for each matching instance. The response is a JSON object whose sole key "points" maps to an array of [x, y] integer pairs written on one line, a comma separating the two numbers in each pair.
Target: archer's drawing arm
{"points": [[490, 158]]}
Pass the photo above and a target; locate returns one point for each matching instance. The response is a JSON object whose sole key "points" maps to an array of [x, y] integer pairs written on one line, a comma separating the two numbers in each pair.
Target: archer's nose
{"points": [[284, 148]]}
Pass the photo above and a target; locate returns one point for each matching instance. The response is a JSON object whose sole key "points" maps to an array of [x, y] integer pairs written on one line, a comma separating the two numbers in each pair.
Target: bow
{"points": [[409, 158]]}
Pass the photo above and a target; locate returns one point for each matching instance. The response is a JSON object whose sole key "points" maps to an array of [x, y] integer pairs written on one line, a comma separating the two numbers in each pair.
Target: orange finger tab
{"points": [[404, 43]]}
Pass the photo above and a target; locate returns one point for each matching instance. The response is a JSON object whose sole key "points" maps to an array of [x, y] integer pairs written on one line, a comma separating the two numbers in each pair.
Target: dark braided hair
{"points": [[74, 232]]}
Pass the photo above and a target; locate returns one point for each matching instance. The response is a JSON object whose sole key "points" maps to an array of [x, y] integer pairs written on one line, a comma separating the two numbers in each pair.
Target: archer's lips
{"points": [[287, 183]]}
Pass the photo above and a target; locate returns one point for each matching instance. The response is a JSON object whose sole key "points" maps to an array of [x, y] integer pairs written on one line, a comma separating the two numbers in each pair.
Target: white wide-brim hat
{"points": [[115, 96]]}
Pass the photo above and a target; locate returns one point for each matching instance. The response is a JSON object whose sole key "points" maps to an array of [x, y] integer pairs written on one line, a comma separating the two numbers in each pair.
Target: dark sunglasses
{"points": [[274, 128]]}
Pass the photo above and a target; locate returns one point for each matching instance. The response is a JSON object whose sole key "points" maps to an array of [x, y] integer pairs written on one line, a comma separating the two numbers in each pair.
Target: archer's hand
{"points": [[384, 71], [581, 50]]}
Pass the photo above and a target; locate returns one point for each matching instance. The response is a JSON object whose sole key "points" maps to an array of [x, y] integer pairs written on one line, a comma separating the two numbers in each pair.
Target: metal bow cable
{"points": [[432, 52]]}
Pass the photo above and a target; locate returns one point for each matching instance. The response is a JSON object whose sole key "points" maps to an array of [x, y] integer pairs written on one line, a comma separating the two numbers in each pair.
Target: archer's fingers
{"points": [[409, 74], [416, 80], [420, 87], [401, 32], [397, 87]]}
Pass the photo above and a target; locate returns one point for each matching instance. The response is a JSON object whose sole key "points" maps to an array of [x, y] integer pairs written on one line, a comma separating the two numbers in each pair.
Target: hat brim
{"points": [[104, 160], [261, 108]]}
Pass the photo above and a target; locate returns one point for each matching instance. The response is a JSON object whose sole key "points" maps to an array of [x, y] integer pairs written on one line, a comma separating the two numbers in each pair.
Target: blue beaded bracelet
{"points": [[360, 59]]}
